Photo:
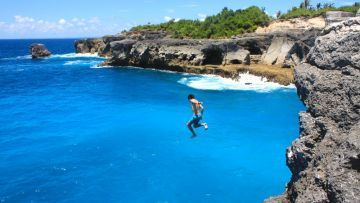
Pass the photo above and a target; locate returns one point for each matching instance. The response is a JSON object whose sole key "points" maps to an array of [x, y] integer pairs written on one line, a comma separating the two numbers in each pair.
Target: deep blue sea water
{"points": [[70, 132]]}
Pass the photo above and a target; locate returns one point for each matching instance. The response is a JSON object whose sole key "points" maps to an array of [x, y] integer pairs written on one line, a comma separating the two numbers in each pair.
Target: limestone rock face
{"points": [[39, 51], [121, 49], [156, 48], [110, 38], [289, 49], [337, 16], [89, 46], [278, 50], [240, 56], [325, 159], [344, 40]]}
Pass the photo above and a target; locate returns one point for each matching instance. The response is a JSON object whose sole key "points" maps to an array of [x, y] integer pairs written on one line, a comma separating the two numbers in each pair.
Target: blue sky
{"points": [[84, 18]]}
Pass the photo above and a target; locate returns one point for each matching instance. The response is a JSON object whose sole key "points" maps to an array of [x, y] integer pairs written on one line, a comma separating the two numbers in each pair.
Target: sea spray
{"points": [[245, 81]]}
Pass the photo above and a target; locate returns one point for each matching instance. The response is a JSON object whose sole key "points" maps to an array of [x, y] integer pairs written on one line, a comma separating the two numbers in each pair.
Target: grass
{"points": [[310, 13]]}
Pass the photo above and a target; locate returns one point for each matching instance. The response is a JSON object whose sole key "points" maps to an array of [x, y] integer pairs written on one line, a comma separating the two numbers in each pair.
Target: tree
{"points": [[306, 3], [302, 5], [225, 24], [318, 6], [328, 5], [278, 14]]}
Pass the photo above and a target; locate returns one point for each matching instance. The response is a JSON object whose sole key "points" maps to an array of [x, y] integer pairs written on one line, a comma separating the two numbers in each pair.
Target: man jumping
{"points": [[198, 110]]}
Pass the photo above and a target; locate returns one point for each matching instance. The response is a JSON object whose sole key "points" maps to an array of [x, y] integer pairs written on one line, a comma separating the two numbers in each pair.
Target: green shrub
{"points": [[321, 10], [225, 24]]}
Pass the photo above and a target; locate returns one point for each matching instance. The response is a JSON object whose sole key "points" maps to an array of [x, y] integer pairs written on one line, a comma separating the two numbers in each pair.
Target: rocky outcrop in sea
{"points": [[325, 159], [39, 51]]}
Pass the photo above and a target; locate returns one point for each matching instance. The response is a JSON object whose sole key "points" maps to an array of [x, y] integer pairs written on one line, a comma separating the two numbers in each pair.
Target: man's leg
{"points": [[190, 128], [197, 125]]}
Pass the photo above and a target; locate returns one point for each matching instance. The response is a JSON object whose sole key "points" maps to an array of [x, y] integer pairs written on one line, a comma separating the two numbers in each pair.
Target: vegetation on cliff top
{"points": [[229, 23], [223, 25], [307, 10]]}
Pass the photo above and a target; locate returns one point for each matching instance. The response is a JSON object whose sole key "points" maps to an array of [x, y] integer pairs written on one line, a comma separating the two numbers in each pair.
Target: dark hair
{"points": [[191, 96]]}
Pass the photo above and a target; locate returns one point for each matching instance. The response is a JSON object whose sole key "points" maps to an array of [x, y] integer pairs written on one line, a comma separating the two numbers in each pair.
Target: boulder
{"points": [[39, 51], [240, 56], [337, 16], [278, 51]]}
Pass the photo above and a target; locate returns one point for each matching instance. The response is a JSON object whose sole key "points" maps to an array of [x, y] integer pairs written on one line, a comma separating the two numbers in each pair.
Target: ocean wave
{"points": [[101, 66], [246, 81], [68, 55], [76, 55], [80, 62], [17, 58]]}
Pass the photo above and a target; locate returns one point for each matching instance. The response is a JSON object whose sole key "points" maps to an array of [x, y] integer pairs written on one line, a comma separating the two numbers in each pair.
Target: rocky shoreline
{"points": [[277, 52]]}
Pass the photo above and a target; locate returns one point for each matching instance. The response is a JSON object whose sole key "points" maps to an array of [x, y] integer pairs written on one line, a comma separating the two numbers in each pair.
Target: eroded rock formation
{"points": [[337, 16], [156, 49], [325, 160], [39, 51]]}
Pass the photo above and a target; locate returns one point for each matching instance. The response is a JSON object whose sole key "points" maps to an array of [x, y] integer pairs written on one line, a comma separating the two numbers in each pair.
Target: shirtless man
{"points": [[198, 109]]}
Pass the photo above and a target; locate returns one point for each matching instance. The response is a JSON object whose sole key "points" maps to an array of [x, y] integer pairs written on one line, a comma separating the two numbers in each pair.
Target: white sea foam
{"points": [[17, 58], [245, 81], [98, 66], [68, 55], [76, 55], [80, 62]]}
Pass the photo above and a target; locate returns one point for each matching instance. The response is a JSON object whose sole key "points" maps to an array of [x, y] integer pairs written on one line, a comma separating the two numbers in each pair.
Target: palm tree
{"points": [[278, 14], [318, 6], [302, 5], [328, 5]]}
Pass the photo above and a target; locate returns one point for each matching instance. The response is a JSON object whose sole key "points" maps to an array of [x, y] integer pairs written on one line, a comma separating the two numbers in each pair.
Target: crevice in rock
{"points": [[213, 56], [354, 163]]}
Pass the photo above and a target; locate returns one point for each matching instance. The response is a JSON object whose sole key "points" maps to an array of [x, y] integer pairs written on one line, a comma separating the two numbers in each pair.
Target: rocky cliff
{"points": [[154, 49], [325, 159], [282, 44]]}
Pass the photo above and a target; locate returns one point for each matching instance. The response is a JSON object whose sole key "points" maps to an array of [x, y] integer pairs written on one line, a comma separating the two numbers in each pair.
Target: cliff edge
{"points": [[325, 159]]}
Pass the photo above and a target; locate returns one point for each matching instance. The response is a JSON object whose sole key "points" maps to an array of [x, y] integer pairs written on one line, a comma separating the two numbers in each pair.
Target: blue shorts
{"points": [[195, 120]]}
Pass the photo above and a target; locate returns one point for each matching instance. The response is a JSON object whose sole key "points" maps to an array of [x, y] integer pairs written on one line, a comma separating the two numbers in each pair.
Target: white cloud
{"points": [[168, 18], [23, 19], [202, 16], [94, 20], [62, 21], [25, 26]]}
